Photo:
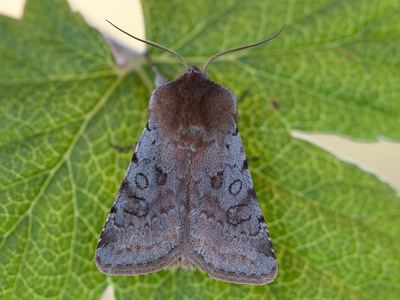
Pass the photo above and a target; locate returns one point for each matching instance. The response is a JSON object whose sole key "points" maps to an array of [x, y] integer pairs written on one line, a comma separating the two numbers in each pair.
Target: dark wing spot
{"points": [[217, 180], [113, 209], [235, 132], [165, 209], [266, 249], [107, 237], [134, 158], [124, 184], [227, 146], [245, 165], [161, 177], [261, 219], [208, 214], [251, 193], [138, 206], [235, 187], [141, 181], [238, 214]]}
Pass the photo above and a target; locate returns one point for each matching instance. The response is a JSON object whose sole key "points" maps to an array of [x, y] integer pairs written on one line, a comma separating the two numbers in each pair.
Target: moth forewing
{"points": [[143, 229], [228, 236]]}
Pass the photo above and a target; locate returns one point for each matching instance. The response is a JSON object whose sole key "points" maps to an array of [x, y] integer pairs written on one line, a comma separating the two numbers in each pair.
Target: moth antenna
{"points": [[153, 44], [218, 55]]}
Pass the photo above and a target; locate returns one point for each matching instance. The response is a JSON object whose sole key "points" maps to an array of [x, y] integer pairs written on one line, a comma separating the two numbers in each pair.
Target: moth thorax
{"points": [[192, 137], [192, 111]]}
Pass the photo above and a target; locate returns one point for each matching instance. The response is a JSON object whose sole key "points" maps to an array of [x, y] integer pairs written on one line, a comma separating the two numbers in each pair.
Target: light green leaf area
{"points": [[64, 103]]}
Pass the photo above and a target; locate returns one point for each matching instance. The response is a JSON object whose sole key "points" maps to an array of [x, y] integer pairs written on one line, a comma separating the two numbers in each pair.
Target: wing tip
{"points": [[251, 280], [270, 276], [232, 277], [99, 264], [133, 269]]}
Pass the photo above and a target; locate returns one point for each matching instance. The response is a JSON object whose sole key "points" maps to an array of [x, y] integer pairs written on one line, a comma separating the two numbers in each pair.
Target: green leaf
{"points": [[335, 68]]}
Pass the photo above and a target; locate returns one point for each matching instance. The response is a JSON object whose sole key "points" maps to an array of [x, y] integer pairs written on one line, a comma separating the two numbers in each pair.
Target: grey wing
{"points": [[142, 233], [226, 230]]}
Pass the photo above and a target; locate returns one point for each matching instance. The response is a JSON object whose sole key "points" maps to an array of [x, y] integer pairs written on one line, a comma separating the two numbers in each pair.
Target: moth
{"points": [[187, 197]]}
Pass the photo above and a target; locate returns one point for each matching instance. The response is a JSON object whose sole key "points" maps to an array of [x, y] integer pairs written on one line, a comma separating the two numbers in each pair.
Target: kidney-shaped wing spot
{"points": [[226, 230], [143, 231]]}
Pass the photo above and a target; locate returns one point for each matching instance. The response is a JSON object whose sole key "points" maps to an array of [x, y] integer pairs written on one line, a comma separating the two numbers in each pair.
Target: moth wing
{"points": [[142, 233], [227, 233]]}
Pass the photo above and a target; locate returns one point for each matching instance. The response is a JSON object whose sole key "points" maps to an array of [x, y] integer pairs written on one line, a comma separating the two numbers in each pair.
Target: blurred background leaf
{"points": [[335, 68]]}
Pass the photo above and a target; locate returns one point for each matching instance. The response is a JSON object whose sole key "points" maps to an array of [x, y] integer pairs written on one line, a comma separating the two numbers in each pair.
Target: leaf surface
{"points": [[64, 104]]}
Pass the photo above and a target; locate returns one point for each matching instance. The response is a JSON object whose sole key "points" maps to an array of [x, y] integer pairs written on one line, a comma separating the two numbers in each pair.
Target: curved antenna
{"points": [[153, 44], [218, 55]]}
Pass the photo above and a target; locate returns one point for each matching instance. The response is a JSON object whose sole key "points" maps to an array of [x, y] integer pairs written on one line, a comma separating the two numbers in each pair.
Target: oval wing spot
{"points": [[141, 181], [238, 214], [217, 180], [235, 187], [138, 206], [161, 177]]}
